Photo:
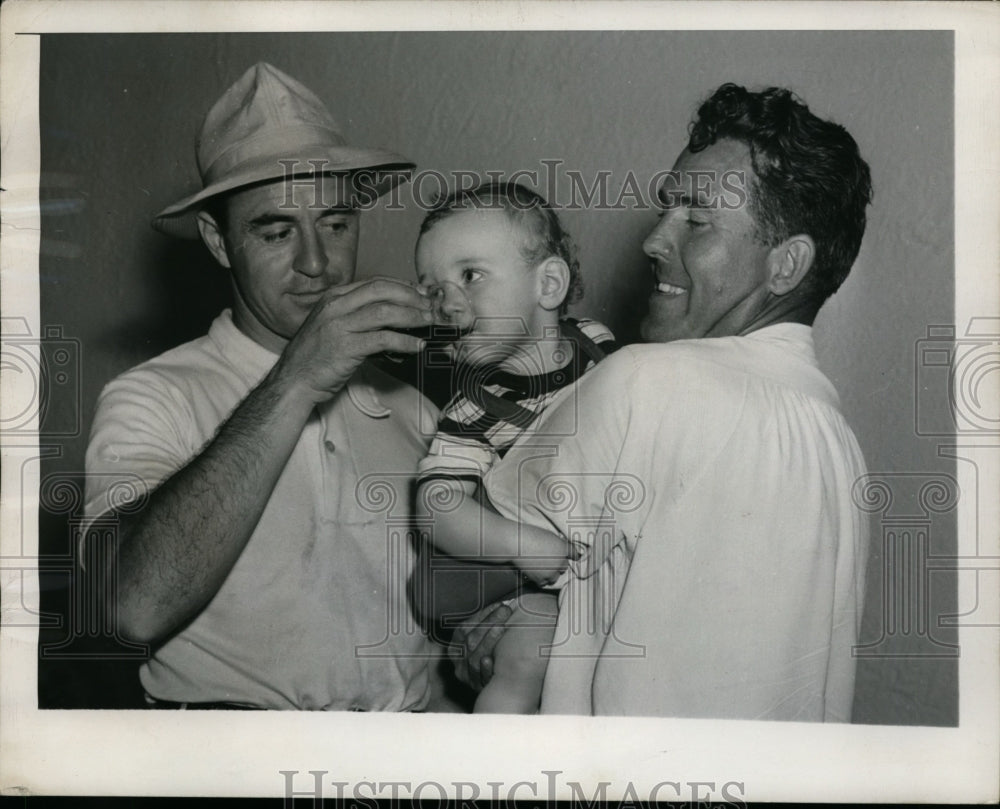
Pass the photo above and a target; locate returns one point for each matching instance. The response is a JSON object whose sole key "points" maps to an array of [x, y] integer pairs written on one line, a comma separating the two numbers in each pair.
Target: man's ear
{"points": [[213, 238], [790, 262], [553, 282]]}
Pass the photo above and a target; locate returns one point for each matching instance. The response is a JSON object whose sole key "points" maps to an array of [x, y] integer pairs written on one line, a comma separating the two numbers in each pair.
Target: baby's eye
{"points": [[470, 275]]}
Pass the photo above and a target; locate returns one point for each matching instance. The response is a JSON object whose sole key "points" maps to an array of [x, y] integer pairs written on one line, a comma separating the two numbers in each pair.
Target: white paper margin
{"points": [[241, 754]]}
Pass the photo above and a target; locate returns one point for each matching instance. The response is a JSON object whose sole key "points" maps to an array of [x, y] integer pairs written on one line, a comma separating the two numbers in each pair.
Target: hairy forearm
{"points": [[175, 553]]}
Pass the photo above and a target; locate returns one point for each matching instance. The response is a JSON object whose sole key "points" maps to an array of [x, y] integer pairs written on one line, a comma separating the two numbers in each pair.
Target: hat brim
{"points": [[384, 170]]}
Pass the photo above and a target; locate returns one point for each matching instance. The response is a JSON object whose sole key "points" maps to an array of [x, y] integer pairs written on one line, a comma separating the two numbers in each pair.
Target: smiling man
{"points": [[712, 469], [251, 561]]}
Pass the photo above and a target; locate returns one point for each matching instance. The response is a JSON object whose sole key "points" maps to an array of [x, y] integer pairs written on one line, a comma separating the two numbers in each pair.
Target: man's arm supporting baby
{"points": [[475, 556]]}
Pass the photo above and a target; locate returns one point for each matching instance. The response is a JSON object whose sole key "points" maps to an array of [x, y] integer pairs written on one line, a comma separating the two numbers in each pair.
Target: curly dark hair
{"points": [[526, 209], [810, 176]]}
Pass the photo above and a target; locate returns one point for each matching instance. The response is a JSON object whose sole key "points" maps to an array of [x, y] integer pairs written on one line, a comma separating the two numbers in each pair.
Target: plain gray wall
{"points": [[119, 115]]}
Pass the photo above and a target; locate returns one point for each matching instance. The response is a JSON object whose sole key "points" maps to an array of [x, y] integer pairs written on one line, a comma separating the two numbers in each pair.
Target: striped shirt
{"points": [[493, 408]]}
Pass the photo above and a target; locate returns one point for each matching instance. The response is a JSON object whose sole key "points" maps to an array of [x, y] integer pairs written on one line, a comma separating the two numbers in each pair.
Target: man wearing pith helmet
{"points": [[262, 564]]}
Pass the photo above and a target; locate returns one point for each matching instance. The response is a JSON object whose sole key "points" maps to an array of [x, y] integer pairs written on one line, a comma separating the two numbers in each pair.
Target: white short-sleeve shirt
{"points": [[712, 481], [314, 614]]}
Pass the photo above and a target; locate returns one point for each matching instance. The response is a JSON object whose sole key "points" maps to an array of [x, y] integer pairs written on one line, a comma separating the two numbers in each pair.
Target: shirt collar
{"points": [[795, 339], [794, 333]]}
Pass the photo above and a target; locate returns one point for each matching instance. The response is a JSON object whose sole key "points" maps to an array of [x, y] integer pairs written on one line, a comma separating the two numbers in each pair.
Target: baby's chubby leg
{"points": [[520, 657]]}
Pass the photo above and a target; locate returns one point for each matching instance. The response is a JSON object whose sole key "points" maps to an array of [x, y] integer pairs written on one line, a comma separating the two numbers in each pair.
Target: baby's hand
{"points": [[544, 555], [541, 574]]}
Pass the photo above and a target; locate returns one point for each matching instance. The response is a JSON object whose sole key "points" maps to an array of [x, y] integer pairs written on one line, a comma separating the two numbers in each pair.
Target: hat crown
{"points": [[267, 127], [263, 108]]}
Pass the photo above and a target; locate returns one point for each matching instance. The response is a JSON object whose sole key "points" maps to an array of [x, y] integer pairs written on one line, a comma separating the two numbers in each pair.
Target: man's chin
{"points": [[652, 331]]}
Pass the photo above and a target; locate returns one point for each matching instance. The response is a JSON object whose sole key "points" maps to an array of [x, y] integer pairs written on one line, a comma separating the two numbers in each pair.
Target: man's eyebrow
{"points": [[673, 197], [268, 219], [678, 199], [271, 218]]}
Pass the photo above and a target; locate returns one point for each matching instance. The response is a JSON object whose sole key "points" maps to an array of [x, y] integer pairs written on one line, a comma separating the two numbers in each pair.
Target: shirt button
{"points": [[330, 446]]}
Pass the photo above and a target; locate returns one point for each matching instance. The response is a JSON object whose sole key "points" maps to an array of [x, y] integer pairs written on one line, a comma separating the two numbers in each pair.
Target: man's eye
{"points": [[336, 226], [470, 275], [275, 236], [697, 223]]}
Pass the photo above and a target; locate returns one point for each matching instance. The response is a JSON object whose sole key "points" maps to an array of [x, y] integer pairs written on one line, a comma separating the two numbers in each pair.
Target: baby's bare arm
{"points": [[469, 529]]}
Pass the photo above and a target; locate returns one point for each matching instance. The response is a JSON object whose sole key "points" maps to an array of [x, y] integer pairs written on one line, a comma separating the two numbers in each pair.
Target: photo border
{"points": [[243, 753]]}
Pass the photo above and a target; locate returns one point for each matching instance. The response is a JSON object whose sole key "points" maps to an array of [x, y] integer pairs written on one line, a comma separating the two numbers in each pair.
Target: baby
{"points": [[502, 270]]}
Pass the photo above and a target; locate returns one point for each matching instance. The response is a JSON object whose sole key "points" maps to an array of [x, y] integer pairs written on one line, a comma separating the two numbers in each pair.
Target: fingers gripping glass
{"points": [[452, 317]]}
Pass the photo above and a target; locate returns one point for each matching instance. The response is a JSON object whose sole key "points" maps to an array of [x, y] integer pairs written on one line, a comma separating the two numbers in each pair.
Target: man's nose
{"points": [[660, 239], [310, 258]]}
